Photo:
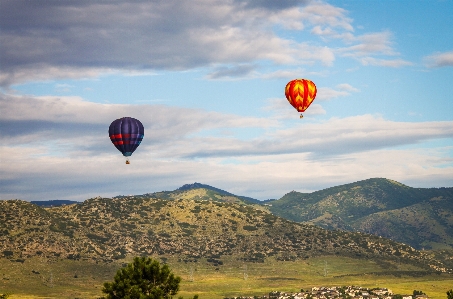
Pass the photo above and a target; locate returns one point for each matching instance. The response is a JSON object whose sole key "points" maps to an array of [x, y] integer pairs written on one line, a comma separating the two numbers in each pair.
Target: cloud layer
{"points": [[71, 39], [58, 147], [440, 59]]}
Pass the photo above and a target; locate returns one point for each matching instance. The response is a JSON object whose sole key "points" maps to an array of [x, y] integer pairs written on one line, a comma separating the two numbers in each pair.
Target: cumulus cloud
{"points": [[231, 71], [69, 39], [439, 59], [377, 43], [332, 138], [342, 90], [28, 175], [73, 39], [58, 147], [65, 120], [27, 115], [347, 87], [384, 62], [323, 14]]}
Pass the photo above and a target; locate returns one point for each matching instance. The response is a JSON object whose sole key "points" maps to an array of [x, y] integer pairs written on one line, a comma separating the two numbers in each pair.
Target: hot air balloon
{"points": [[300, 93], [126, 134]]}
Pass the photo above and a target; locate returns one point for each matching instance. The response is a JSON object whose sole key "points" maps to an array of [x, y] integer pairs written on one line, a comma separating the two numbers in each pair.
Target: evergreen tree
{"points": [[450, 294], [144, 278], [415, 293]]}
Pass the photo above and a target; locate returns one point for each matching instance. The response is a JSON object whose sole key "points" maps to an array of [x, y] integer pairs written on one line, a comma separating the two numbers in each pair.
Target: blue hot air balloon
{"points": [[126, 134]]}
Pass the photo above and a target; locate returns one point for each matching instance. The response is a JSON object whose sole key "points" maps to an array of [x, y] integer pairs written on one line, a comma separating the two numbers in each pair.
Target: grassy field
{"points": [[40, 278]]}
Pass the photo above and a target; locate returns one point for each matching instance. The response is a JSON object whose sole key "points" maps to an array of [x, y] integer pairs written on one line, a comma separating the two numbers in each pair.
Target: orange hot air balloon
{"points": [[300, 93]]}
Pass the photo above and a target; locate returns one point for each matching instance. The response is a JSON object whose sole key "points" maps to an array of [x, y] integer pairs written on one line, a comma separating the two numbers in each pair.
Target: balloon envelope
{"points": [[300, 93], [126, 134]]}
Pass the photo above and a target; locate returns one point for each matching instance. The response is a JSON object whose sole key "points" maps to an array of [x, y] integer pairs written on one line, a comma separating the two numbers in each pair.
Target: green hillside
{"points": [[105, 229], [420, 217]]}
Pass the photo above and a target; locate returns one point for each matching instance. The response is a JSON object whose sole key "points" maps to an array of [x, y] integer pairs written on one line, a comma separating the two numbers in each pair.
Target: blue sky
{"points": [[207, 78]]}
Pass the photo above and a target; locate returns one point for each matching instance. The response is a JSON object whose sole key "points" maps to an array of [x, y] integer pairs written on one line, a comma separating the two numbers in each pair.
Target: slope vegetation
{"points": [[105, 229], [420, 217]]}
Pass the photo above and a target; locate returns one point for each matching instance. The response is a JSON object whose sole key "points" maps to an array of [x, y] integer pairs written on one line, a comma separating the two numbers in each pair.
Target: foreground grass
{"points": [[40, 278]]}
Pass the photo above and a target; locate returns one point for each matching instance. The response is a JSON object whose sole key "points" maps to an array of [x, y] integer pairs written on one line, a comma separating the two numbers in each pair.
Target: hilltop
{"points": [[200, 191]]}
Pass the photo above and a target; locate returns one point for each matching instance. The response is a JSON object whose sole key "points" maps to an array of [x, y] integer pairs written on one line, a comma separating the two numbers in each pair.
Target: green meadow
{"points": [[41, 278]]}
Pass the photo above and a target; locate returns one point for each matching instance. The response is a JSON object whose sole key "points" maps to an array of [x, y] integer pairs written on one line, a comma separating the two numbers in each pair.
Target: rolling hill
{"points": [[420, 217], [102, 230]]}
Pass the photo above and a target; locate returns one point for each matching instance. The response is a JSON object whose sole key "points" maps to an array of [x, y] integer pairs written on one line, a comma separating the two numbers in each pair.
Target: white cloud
{"points": [[347, 87], [65, 120], [323, 14], [326, 93], [60, 114], [384, 62], [290, 74], [439, 59], [232, 71], [79, 39], [58, 147], [378, 42], [262, 177], [62, 145]]}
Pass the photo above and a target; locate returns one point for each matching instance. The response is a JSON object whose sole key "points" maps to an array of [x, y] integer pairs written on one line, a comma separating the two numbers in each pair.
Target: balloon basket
{"points": [[127, 161], [301, 116]]}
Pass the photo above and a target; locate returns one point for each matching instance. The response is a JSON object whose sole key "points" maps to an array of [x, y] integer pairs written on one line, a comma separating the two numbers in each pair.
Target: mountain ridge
{"points": [[108, 229], [420, 217], [377, 206]]}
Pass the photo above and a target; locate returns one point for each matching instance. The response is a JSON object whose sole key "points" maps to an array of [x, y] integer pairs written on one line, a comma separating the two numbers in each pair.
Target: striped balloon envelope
{"points": [[126, 135], [300, 93]]}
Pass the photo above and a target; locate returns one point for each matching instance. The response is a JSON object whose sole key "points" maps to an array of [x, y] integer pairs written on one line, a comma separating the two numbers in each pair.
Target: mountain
{"points": [[200, 191], [245, 199], [105, 229], [420, 217]]}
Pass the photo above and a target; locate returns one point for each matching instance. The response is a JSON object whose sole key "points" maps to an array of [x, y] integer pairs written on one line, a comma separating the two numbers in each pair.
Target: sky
{"points": [[206, 78]]}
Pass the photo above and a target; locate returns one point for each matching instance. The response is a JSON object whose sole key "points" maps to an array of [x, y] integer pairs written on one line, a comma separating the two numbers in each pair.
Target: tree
{"points": [[450, 294], [415, 293], [144, 278]]}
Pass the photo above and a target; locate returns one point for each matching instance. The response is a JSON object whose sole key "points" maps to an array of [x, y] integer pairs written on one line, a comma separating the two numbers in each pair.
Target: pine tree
{"points": [[144, 278], [450, 294]]}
